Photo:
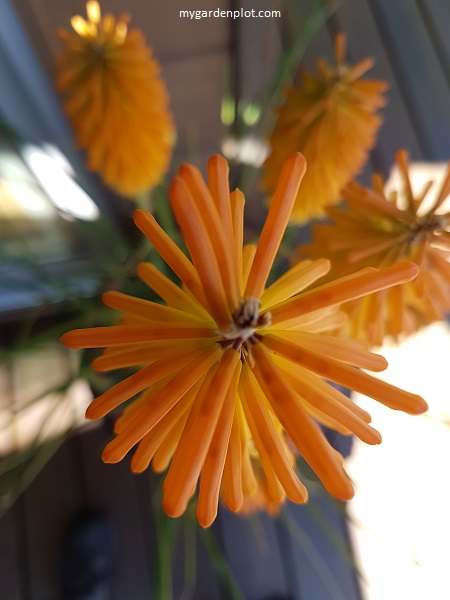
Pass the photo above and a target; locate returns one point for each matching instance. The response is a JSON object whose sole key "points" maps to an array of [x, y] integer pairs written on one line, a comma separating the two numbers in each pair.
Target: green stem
{"points": [[222, 568], [165, 529], [190, 554]]}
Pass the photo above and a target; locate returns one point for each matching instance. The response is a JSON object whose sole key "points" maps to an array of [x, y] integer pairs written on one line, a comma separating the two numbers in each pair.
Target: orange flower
{"points": [[116, 101], [332, 119], [228, 367], [377, 230]]}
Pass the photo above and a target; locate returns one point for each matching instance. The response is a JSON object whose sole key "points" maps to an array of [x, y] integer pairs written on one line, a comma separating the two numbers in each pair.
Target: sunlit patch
{"points": [[62, 190], [400, 537]]}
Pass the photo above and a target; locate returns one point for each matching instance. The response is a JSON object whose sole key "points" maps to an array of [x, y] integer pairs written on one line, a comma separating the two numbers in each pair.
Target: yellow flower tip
{"points": [[79, 25], [93, 11]]}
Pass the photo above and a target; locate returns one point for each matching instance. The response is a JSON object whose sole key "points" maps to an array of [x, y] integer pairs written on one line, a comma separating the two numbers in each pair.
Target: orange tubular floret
{"points": [[190, 455], [347, 376], [139, 405], [370, 248], [340, 43], [170, 253], [274, 490], [363, 199], [401, 158], [322, 387], [352, 352], [324, 418], [201, 250], [444, 191], [168, 290], [132, 385], [325, 404], [347, 288], [213, 467], [301, 428], [249, 481], [232, 475], [266, 438], [397, 311], [277, 219], [166, 449], [294, 281], [130, 355], [362, 67], [145, 309], [151, 441], [161, 403], [100, 337], [213, 225], [248, 255], [237, 202], [219, 189]]}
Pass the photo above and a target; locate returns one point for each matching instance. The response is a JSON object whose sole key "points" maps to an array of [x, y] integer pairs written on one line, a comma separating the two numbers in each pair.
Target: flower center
{"points": [[242, 331], [427, 225]]}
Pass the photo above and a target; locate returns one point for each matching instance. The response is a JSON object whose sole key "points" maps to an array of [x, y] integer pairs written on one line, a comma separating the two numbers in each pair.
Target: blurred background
{"points": [[61, 233]]}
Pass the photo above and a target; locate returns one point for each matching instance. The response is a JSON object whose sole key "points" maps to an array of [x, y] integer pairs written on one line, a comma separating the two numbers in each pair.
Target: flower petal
{"points": [[189, 457], [170, 253], [232, 475], [347, 376], [345, 289], [294, 281], [274, 227], [267, 439], [132, 385], [212, 222], [304, 432], [100, 337], [161, 403], [201, 249], [213, 467]]}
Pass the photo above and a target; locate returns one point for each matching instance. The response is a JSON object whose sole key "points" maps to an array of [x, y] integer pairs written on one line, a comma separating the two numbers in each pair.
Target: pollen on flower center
{"points": [[242, 331]]}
